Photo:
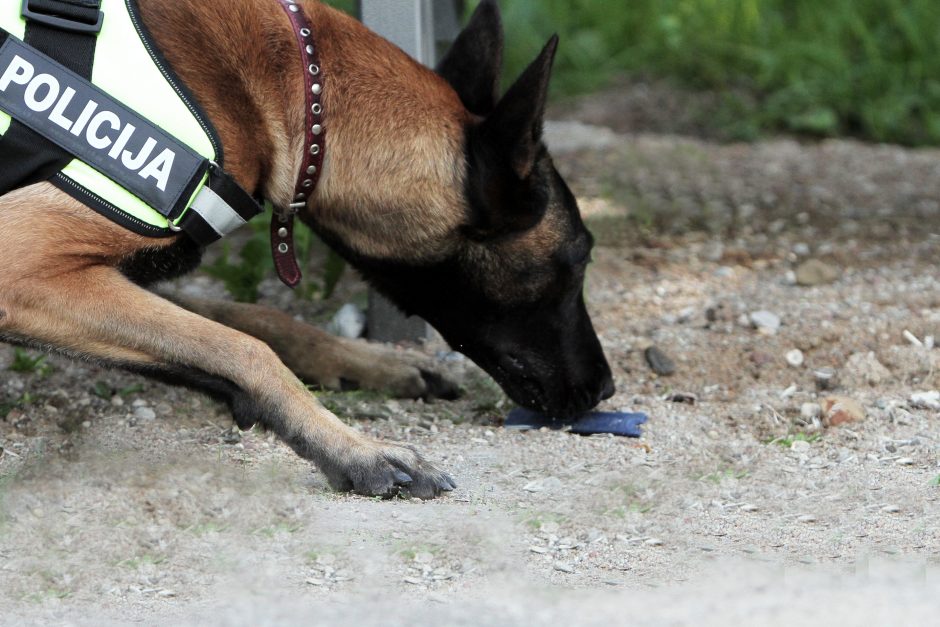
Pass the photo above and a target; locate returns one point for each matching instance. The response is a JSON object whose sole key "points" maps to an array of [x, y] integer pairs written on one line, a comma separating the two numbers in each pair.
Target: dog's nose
{"points": [[607, 389]]}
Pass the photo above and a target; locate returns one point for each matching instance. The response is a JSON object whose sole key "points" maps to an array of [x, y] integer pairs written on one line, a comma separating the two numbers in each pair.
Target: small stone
{"points": [[313, 581], [653, 542], [814, 272], [825, 378], [795, 358], [800, 446], [117, 401], [929, 342], [926, 400], [349, 322], [549, 526], [810, 411], [904, 461], [424, 558], [747, 507], [839, 410], [891, 509], [541, 485], [679, 397], [140, 403], [806, 518], [167, 593], [144, 413], [765, 322], [801, 249], [414, 581], [659, 362], [564, 567], [864, 369]]}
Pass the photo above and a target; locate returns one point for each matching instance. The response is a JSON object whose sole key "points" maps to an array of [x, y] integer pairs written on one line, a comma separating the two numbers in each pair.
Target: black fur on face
{"points": [[510, 295], [510, 298]]}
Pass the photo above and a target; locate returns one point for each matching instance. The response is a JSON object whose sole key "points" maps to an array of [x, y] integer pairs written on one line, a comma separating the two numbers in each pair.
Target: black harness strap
{"points": [[65, 30]]}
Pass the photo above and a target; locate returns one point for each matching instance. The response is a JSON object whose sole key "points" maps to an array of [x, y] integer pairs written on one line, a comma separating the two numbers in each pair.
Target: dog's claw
{"points": [[388, 471]]}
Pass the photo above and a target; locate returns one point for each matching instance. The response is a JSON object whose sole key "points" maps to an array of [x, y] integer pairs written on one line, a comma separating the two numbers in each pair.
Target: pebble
{"points": [[810, 411], [801, 249], [904, 461], [795, 358], [800, 446], [926, 400], [891, 509], [117, 401], [825, 378], [653, 542], [863, 369], [564, 567], [144, 413], [348, 322], [806, 518], [424, 558], [814, 272], [748, 507], [659, 362], [839, 410], [541, 485], [765, 322]]}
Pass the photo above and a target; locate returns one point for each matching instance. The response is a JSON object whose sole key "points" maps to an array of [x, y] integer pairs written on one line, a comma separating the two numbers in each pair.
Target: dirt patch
{"points": [[126, 500]]}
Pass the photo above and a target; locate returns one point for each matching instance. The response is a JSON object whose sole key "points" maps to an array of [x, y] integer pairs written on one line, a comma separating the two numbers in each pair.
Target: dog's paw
{"points": [[387, 471], [399, 372]]}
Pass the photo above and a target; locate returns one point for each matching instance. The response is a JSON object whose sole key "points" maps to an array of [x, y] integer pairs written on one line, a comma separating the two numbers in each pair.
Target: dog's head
{"points": [[508, 292]]}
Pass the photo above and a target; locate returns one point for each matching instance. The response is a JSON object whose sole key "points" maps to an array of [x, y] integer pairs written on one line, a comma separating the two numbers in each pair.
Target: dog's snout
{"points": [[607, 389]]}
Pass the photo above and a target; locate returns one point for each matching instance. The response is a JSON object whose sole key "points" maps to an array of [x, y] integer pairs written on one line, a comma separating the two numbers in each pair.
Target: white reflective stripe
{"points": [[222, 218]]}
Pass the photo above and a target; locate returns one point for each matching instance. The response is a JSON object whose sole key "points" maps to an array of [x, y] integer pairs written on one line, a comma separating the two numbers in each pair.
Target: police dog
{"points": [[438, 191]]}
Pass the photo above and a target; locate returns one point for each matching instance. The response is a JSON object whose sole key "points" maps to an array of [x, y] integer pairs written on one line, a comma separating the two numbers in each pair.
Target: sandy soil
{"points": [[124, 500]]}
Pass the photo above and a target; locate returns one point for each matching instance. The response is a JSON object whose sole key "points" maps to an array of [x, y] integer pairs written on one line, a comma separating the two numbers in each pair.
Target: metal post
{"points": [[415, 27]]}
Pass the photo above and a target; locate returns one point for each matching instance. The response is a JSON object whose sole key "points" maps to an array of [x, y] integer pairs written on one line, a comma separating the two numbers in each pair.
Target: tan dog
{"points": [[440, 194]]}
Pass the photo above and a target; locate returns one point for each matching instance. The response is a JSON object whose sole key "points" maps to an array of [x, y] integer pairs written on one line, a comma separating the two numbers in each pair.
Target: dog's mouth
{"points": [[521, 389]]}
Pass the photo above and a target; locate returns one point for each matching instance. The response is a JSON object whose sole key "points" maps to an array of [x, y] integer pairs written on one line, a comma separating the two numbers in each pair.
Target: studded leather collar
{"points": [[282, 222]]}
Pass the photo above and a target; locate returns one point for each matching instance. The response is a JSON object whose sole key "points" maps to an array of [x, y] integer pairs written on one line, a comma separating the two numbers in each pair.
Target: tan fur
{"points": [[392, 126]]}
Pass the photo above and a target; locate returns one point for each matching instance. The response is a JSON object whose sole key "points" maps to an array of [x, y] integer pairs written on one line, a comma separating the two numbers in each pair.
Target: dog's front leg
{"points": [[318, 357], [96, 312]]}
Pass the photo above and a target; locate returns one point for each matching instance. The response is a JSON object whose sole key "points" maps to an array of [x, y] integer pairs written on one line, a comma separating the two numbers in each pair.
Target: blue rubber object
{"points": [[616, 422]]}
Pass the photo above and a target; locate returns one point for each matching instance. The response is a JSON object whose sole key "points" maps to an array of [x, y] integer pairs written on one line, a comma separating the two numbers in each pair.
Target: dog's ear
{"points": [[514, 128], [473, 64]]}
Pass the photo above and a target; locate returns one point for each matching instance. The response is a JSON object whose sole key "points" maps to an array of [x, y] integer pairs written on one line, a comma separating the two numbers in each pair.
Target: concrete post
{"points": [[415, 26]]}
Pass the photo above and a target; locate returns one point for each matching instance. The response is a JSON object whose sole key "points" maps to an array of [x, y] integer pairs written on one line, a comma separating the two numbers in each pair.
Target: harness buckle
{"points": [[64, 21]]}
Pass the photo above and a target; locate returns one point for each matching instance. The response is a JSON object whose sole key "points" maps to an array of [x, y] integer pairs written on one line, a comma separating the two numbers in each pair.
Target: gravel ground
{"points": [[788, 473]]}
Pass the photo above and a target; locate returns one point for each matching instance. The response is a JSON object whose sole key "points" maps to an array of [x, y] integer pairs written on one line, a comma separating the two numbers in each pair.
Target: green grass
{"points": [[869, 68], [862, 67], [935, 481], [788, 440], [724, 474], [28, 363]]}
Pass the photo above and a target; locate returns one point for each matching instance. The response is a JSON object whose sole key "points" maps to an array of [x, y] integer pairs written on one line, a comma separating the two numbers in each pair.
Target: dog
{"points": [[441, 193]]}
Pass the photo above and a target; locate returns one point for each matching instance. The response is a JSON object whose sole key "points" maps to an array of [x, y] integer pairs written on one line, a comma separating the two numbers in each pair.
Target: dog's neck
{"points": [[393, 175]]}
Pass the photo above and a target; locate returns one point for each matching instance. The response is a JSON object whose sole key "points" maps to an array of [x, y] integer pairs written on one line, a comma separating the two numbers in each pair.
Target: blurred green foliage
{"points": [[869, 68], [243, 273]]}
